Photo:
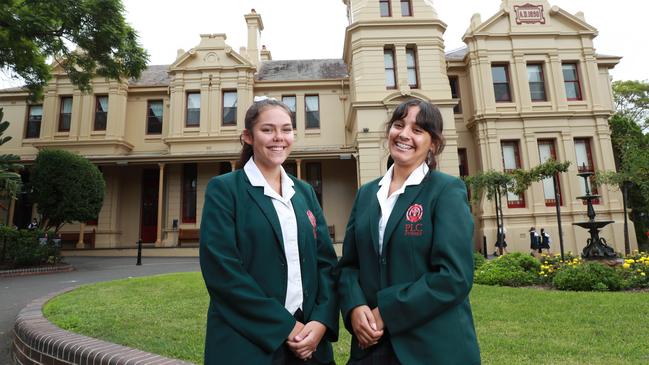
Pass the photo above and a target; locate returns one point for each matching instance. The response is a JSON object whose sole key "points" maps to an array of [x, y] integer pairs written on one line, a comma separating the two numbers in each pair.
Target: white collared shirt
{"points": [[387, 202], [288, 223]]}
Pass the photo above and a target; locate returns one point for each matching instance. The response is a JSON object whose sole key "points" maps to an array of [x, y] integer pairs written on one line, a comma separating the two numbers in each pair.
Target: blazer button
{"points": [[383, 260]]}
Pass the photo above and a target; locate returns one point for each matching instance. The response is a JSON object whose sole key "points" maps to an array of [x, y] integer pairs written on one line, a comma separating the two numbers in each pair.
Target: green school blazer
{"points": [[244, 267], [422, 279]]}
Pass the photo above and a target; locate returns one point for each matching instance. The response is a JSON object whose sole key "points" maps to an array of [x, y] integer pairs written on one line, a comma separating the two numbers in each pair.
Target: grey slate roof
{"points": [[460, 53], [600, 55], [154, 75], [292, 70], [457, 54], [13, 89]]}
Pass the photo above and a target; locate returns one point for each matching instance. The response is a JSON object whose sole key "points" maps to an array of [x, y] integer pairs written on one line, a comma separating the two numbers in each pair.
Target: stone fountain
{"points": [[596, 247]]}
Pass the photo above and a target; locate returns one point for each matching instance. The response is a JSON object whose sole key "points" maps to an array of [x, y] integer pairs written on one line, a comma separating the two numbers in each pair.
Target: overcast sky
{"points": [[303, 29], [306, 29]]}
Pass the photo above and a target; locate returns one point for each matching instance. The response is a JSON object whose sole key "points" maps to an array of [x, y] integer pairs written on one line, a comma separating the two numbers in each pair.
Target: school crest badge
{"points": [[414, 213], [313, 222]]}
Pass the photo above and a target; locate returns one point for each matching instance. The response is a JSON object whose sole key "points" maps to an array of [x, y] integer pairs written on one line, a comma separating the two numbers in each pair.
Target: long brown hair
{"points": [[429, 119], [249, 122]]}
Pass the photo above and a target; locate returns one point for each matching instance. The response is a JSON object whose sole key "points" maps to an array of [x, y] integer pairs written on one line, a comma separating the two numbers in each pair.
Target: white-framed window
{"points": [[390, 68], [229, 108], [512, 161], [312, 111], [193, 113], [536, 80]]}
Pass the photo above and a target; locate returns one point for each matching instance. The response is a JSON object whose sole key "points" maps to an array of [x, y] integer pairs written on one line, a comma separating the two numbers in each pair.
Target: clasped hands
{"points": [[367, 325], [304, 338]]}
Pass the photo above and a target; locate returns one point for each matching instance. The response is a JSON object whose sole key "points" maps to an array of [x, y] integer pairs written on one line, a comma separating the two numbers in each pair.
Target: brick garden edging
{"points": [[39, 342], [36, 270]]}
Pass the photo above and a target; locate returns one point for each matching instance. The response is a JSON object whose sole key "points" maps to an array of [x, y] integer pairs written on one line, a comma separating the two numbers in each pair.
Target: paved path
{"points": [[17, 292]]}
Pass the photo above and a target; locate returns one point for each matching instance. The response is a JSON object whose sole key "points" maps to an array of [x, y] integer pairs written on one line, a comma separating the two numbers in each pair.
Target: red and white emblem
{"points": [[414, 213], [311, 218], [313, 222]]}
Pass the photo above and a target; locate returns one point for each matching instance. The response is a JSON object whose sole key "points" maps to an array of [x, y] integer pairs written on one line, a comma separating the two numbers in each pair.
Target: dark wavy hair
{"points": [[429, 119], [249, 122]]}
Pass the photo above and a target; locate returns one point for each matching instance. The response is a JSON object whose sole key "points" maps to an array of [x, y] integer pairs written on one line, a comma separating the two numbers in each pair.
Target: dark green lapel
{"points": [[266, 206], [375, 215], [403, 203], [304, 225]]}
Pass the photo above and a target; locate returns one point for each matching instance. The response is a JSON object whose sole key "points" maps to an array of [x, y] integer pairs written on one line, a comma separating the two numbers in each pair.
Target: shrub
{"points": [[589, 276], [520, 260], [635, 270], [23, 247], [550, 265], [514, 269], [478, 260]]}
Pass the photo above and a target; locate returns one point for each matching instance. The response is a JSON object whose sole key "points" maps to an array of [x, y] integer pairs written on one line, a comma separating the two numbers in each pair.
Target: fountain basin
{"points": [[593, 224], [589, 197]]}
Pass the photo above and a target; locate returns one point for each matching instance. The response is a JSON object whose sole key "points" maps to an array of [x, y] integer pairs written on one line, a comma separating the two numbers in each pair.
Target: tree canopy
{"points": [[631, 152], [494, 183], [516, 181], [10, 182], [632, 101], [86, 37], [66, 187]]}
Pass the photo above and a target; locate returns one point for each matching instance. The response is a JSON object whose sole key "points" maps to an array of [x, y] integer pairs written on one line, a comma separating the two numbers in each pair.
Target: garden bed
{"points": [[572, 273]]}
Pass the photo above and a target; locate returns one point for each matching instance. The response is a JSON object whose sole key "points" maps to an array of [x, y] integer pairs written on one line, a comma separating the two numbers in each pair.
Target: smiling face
{"points": [[271, 138], [409, 143]]}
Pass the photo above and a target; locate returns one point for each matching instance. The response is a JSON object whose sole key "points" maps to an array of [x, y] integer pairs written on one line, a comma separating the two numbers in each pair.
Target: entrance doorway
{"points": [[24, 204], [149, 218]]}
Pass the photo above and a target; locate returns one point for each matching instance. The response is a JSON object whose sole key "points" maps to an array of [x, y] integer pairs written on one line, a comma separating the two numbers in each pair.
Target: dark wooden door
{"points": [[149, 218]]}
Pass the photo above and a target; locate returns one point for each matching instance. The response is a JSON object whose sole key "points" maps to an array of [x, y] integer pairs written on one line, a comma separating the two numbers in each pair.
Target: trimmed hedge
{"points": [[514, 269], [22, 248]]}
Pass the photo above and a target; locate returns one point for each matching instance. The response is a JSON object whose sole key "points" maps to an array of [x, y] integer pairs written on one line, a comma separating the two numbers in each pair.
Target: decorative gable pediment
{"points": [[398, 97], [57, 68], [212, 52], [522, 17]]}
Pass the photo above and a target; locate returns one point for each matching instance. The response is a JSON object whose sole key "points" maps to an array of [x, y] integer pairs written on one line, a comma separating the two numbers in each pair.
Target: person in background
{"points": [[501, 245], [407, 264], [535, 241], [545, 241], [33, 224], [266, 256]]}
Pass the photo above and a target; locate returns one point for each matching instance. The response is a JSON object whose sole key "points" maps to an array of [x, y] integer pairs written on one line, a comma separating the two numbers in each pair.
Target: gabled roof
{"points": [[293, 70], [154, 75], [457, 54], [569, 21], [460, 53], [14, 89]]}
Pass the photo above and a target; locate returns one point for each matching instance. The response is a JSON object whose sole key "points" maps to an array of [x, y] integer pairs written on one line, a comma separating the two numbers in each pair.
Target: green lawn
{"points": [[166, 315]]}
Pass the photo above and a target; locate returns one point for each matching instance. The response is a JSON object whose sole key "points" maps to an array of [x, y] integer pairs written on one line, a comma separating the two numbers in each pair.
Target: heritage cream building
{"points": [[528, 85]]}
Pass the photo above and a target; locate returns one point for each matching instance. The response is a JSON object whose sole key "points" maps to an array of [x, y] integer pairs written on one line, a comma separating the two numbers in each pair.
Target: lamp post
{"points": [[499, 222], [557, 205], [625, 190]]}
